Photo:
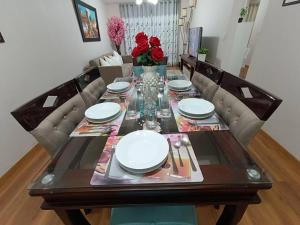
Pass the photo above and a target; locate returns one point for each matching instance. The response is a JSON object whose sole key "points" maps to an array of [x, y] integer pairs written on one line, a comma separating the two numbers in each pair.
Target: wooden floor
{"points": [[280, 205]]}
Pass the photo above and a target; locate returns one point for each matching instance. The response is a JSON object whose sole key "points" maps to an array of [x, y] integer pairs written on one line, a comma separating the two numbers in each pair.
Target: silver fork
{"points": [[110, 161]]}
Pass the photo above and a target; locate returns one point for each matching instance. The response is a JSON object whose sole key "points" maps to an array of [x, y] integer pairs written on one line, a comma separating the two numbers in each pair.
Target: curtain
{"points": [[158, 20]]}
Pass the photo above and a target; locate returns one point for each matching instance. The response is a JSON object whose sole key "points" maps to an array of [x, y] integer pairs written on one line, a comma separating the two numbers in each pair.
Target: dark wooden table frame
{"points": [[224, 183]]}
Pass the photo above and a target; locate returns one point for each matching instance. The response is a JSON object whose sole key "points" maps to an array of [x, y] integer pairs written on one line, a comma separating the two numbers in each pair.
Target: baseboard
{"points": [[281, 148]]}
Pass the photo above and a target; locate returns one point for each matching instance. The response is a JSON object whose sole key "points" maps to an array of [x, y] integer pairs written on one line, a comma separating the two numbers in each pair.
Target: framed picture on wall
{"points": [[290, 2], [88, 22]]}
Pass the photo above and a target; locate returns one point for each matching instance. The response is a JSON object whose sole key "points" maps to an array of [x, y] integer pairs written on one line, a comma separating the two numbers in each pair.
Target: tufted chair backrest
{"points": [[243, 123], [206, 86], [93, 91], [52, 116], [54, 130]]}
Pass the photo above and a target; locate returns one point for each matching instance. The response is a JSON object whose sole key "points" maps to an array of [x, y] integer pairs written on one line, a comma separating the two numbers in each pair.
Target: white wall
{"points": [[275, 66], [219, 22], [43, 49]]}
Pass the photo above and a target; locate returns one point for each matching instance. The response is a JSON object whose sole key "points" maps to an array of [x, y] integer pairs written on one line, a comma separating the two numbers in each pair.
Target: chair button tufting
{"points": [[74, 108], [65, 117]]}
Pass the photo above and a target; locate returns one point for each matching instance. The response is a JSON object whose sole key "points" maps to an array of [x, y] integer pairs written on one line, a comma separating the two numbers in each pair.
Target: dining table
{"points": [[230, 177]]}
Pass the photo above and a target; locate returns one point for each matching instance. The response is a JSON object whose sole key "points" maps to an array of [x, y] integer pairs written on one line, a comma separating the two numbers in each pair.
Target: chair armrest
{"points": [[110, 73], [127, 58]]}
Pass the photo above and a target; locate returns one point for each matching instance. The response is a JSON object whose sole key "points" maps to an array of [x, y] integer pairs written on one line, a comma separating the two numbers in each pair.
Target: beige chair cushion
{"points": [[206, 86], [93, 91], [243, 123], [53, 132]]}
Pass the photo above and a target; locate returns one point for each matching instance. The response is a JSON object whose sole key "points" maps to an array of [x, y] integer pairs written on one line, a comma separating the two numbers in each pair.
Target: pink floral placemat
{"points": [[86, 128], [185, 124], [164, 174]]}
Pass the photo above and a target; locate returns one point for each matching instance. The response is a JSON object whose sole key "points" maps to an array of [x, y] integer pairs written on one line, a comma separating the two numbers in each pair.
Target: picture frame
{"points": [[290, 2], [88, 21]]}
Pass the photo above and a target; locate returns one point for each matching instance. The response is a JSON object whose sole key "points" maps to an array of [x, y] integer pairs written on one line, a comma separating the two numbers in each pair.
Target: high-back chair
{"points": [[209, 71], [206, 86], [260, 101], [244, 110], [52, 116], [90, 85], [87, 77]]}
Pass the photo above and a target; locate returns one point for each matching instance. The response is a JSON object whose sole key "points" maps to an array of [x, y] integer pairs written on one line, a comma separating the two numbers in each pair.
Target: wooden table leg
{"points": [[232, 214], [72, 217]]}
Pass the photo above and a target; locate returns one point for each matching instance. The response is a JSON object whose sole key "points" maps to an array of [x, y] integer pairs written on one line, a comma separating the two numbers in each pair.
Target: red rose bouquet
{"points": [[148, 51]]}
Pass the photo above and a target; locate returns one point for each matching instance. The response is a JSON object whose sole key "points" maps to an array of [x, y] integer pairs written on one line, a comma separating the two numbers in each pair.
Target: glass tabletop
{"points": [[224, 162]]}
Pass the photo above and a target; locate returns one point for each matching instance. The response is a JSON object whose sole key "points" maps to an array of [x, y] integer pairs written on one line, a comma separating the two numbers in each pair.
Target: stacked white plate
{"points": [[118, 87], [180, 85], [142, 151], [196, 108], [103, 112]]}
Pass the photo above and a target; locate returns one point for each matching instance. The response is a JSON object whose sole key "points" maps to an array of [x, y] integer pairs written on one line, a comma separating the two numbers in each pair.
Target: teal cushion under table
{"points": [[154, 215]]}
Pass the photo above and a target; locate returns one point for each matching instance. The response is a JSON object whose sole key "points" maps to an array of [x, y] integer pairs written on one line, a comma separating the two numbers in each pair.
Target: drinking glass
{"points": [[150, 97], [165, 105], [132, 105]]}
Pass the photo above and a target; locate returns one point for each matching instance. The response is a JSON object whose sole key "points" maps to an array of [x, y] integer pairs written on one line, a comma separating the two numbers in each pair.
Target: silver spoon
{"points": [[185, 141], [177, 145]]}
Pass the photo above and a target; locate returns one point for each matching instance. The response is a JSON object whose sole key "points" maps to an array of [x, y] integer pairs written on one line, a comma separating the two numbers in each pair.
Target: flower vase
{"points": [[150, 80]]}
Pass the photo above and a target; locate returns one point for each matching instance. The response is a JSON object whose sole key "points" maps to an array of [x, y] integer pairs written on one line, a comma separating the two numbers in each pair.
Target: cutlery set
{"points": [[182, 141]]}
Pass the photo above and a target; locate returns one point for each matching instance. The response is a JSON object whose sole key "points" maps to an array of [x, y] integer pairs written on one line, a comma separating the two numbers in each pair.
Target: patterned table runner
{"points": [[185, 124], [165, 174]]}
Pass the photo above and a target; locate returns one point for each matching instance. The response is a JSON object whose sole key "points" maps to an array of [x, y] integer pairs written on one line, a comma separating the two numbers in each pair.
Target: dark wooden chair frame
{"points": [[262, 103], [32, 113], [210, 71]]}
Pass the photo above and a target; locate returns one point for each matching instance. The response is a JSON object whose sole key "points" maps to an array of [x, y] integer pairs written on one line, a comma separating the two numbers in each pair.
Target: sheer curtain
{"points": [[158, 20]]}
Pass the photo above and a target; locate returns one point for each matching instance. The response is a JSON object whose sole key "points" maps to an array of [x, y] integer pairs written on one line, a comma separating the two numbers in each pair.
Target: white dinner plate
{"points": [[118, 86], [181, 90], [195, 107], [199, 117], [142, 150], [145, 170], [179, 84], [106, 120], [102, 111]]}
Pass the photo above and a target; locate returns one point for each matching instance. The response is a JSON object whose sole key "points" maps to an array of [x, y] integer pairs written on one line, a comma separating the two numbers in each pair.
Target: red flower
{"points": [[154, 41], [141, 37], [143, 46], [135, 52], [157, 54]]}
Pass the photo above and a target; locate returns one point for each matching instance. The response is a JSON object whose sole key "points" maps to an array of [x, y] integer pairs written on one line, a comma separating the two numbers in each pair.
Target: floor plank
{"points": [[280, 205]]}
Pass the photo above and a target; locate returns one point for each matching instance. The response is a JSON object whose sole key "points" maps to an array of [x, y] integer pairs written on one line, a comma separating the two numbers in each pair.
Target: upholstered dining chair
{"points": [[91, 93], [260, 101], [52, 116], [206, 86], [242, 122], [210, 71]]}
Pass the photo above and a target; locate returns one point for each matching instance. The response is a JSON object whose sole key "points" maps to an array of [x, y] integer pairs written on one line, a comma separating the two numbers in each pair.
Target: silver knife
{"points": [[175, 169]]}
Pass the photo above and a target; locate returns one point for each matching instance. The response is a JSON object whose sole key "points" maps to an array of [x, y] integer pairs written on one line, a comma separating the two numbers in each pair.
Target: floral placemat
{"points": [[164, 174], [185, 124], [86, 128]]}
